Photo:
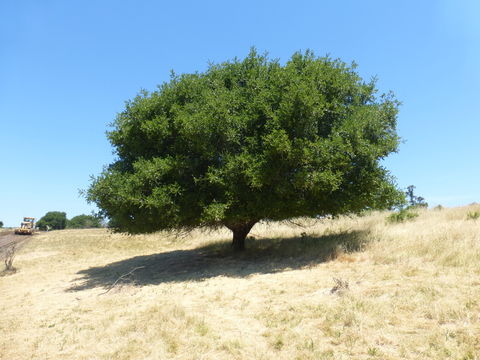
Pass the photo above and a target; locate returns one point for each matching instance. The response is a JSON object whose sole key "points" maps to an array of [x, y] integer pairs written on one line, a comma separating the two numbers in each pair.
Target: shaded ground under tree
{"points": [[269, 255]]}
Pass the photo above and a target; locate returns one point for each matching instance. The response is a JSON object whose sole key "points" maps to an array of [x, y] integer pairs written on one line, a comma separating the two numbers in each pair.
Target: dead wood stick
{"points": [[121, 278]]}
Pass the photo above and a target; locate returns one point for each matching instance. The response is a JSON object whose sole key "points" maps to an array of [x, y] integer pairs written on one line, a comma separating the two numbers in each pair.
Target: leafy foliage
{"points": [[407, 207], [473, 215], [84, 222], [413, 200], [1, 224], [249, 140], [53, 220], [402, 215]]}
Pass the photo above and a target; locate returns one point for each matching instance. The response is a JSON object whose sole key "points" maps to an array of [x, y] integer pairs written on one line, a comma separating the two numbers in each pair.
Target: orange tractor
{"points": [[27, 227]]}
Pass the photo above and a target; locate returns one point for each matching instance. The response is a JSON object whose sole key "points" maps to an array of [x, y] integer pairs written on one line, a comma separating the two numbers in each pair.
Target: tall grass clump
{"points": [[447, 238]]}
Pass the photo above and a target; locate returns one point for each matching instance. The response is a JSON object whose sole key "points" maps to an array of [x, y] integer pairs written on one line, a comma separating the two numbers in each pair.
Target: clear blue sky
{"points": [[66, 68]]}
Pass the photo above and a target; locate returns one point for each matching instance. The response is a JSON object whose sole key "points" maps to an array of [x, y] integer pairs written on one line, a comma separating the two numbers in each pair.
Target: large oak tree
{"points": [[250, 140]]}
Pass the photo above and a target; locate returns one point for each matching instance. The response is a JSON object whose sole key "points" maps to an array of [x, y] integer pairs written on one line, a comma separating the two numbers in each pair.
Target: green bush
{"points": [[401, 216], [53, 220], [84, 222], [473, 215]]}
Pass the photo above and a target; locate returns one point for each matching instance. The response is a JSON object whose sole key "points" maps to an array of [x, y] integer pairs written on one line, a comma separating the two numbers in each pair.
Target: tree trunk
{"points": [[240, 232]]}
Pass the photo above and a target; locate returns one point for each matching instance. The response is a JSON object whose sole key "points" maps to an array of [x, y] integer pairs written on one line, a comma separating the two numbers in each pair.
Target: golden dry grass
{"points": [[413, 293]]}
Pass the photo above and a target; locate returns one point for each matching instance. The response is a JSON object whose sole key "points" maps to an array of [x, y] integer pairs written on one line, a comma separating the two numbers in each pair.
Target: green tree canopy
{"points": [[250, 140], [1, 224], [84, 222], [413, 200], [53, 220]]}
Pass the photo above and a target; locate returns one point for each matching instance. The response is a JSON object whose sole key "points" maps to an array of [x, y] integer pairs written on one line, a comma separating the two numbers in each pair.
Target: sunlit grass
{"points": [[410, 290]]}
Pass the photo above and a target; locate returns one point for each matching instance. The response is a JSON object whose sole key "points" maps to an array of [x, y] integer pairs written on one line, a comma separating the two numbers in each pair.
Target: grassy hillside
{"points": [[350, 288]]}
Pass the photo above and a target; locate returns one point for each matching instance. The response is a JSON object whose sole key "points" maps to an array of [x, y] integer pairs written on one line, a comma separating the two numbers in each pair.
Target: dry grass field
{"points": [[350, 288]]}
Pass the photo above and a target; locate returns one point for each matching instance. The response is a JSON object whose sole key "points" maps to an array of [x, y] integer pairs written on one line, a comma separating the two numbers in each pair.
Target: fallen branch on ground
{"points": [[340, 286], [122, 277]]}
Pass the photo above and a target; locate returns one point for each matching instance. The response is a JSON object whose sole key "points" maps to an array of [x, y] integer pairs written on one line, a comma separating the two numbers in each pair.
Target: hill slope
{"points": [[350, 288]]}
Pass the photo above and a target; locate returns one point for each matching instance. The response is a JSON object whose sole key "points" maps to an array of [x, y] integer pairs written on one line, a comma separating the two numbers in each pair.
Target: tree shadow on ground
{"points": [[264, 256]]}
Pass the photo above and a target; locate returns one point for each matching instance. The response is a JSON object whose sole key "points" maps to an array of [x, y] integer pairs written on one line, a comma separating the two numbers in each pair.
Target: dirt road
{"points": [[9, 238]]}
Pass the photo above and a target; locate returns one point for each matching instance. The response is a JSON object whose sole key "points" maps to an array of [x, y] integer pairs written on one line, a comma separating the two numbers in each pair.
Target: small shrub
{"points": [[401, 216], [9, 256], [438, 208], [473, 215]]}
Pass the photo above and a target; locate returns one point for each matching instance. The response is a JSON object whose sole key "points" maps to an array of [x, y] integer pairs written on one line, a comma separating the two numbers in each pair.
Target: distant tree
{"points": [[84, 222], [53, 220], [1, 224], [413, 200], [250, 140]]}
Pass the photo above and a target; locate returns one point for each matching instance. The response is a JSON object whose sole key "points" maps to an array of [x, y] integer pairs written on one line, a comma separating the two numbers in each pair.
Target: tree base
{"points": [[240, 232]]}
